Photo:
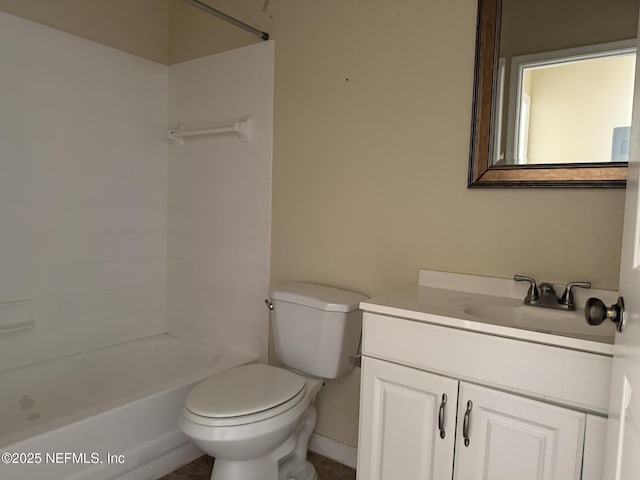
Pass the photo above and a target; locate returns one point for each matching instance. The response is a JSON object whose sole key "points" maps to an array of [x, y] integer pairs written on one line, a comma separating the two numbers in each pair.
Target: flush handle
{"points": [[356, 360], [441, 416], [596, 312]]}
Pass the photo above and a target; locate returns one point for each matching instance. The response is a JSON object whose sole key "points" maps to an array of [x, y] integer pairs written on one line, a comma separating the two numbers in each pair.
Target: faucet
{"points": [[544, 295]]}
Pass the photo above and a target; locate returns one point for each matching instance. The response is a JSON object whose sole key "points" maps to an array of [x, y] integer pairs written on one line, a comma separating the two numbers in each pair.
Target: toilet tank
{"points": [[316, 328]]}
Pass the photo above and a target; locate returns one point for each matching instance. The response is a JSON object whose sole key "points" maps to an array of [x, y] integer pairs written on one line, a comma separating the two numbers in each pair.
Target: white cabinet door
{"points": [[595, 441], [399, 434], [511, 437]]}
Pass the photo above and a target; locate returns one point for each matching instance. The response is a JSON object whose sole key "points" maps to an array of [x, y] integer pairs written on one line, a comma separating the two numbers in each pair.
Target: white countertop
{"points": [[455, 309]]}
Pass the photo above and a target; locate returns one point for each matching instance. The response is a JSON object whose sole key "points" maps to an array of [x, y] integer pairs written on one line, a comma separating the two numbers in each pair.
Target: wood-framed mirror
{"points": [[524, 126]]}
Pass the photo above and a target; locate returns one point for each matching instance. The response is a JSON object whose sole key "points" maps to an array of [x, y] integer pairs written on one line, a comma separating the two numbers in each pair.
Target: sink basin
{"points": [[544, 320], [523, 316]]}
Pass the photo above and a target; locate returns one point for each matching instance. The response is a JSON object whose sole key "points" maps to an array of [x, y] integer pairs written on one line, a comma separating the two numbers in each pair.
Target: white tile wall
{"points": [[103, 227], [220, 200], [83, 191]]}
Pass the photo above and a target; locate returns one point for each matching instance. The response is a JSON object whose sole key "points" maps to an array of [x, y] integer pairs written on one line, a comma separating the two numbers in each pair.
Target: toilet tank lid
{"points": [[321, 297]]}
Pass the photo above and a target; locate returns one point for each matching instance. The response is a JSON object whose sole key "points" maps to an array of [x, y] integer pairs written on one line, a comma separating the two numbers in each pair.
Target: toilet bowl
{"points": [[259, 427], [256, 419]]}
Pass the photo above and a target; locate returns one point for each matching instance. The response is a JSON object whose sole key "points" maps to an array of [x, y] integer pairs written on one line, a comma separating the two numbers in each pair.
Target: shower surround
{"points": [[111, 236]]}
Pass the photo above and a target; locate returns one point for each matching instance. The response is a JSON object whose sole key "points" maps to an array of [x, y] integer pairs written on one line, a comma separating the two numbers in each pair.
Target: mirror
{"points": [[553, 93]]}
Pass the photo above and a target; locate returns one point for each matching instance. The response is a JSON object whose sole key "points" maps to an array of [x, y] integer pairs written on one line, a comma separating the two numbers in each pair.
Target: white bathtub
{"points": [[108, 413]]}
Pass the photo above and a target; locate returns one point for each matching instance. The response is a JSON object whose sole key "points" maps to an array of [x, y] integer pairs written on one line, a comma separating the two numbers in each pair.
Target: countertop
{"points": [[473, 312]]}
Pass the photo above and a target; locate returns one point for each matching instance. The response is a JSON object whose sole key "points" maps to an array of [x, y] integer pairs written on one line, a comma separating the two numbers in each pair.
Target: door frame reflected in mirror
{"points": [[571, 58], [481, 171]]}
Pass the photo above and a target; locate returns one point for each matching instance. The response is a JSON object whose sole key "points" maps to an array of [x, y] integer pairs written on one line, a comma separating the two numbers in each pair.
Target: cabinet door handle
{"points": [[441, 415], [465, 423]]}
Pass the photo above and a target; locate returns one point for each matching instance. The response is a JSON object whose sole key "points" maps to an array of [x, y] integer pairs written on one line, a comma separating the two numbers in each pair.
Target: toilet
{"points": [[256, 419]]}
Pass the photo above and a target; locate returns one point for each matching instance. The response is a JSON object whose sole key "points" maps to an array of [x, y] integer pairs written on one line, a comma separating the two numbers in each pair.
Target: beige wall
{"points": [[166, 31], [194, 33], [372, 109], [543, 25], [140, 27]]}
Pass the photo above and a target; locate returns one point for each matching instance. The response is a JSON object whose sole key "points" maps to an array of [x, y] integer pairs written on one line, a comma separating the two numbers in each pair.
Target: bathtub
{"points": [[104, 414]]}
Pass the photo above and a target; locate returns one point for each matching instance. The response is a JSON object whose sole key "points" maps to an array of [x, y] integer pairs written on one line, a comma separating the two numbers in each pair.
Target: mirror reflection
{"points": [[564, 85]]}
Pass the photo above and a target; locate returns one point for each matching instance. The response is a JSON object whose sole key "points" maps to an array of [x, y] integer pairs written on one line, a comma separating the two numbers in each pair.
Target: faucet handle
{"points": [[567, 296], [532, 293]]}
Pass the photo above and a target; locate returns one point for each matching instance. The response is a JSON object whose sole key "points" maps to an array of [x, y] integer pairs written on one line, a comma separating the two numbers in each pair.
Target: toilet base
{"points": [[307, 472], [266, 471], [260, 469], [287, 462]]}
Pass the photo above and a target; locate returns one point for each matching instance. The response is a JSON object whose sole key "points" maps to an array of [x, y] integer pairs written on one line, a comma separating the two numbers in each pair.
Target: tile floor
{"points": [[200, 469]]}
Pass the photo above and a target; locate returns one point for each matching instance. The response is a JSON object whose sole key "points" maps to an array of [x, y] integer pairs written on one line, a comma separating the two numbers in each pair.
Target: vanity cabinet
{"points": [[402, 414], [525, 408], [507, 436], [513, 437]]}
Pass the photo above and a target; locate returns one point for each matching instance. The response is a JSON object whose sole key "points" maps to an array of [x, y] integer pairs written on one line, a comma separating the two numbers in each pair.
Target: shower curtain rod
{"points": [[234, 21]]}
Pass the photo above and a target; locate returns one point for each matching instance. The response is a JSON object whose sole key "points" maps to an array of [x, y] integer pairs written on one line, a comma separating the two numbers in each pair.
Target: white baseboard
{"points": [[337, 451]]}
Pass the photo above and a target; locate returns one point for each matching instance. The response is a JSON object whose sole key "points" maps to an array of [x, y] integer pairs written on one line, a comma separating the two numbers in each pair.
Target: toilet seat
{"points": [[244, 419], [244, 394]]}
